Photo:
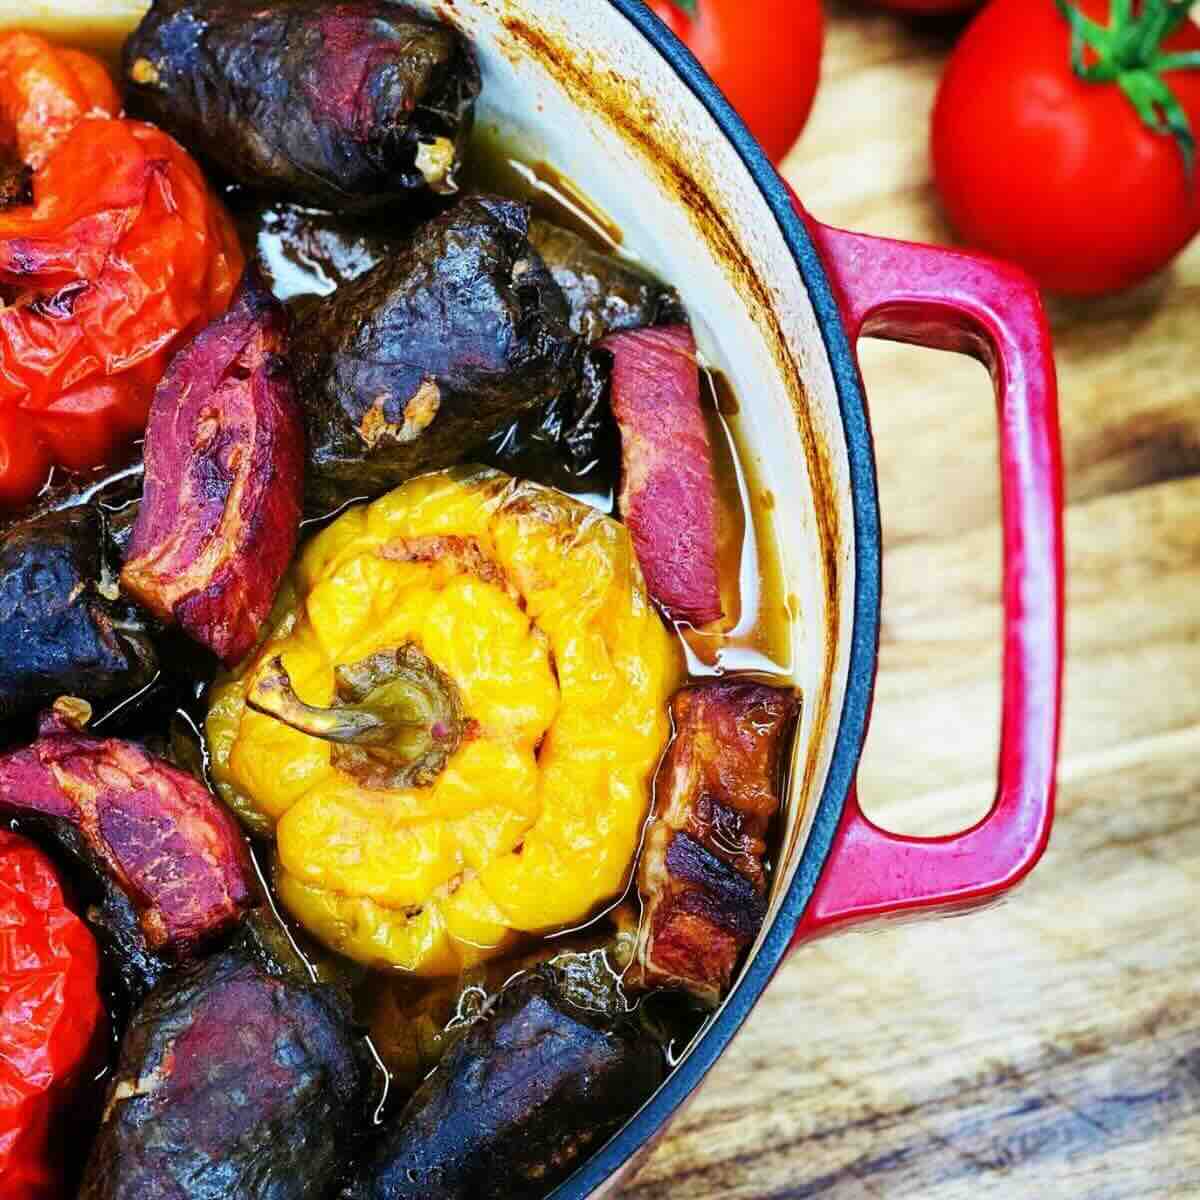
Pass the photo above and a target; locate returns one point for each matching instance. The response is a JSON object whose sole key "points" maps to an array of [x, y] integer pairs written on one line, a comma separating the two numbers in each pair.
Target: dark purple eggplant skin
{"points": [[307, 100], [232, 1084], [413, 366], [530, 1090], [606, 294], [63, 631], [570, 443]]}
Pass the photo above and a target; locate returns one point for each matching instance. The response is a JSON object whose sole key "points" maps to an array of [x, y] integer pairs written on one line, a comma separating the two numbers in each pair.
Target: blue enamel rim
{"points": [[864, 641]]}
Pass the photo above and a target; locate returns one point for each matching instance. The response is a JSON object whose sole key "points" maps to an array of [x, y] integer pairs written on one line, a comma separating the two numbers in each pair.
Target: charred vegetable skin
{"points": [[62, 628], [571, 443], [173, 868], [349, 106], [604, 293], [220, 513], [233, 1084], [533, 1087], [702, 878], [412, 366]]}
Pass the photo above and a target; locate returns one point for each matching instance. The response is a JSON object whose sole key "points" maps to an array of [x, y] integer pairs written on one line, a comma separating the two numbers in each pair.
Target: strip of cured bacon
{"points": [[668, 480], [170, 859], [220, 515]]}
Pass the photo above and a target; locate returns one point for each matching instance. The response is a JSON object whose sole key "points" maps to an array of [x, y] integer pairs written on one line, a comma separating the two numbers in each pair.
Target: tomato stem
{"points": [[1128, 52], [688, 6], [1179, 62]]}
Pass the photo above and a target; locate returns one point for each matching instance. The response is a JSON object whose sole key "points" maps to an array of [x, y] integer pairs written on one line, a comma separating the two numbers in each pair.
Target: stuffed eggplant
{"points": [[531, 1088], [233, 1084], [571, 442], [351, 106], [412, 366], [605, 294], [63, 627]]}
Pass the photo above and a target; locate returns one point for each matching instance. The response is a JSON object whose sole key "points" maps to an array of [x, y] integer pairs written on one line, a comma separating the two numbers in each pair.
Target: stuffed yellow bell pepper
{"points": [[453, 725]]}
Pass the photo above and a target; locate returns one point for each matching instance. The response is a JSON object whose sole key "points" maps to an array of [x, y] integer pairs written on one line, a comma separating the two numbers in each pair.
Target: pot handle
{"points": [[948, 300]]}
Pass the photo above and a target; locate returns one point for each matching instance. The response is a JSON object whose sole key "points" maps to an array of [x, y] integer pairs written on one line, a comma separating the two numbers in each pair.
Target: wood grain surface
{"points": [[1048, 1049]]}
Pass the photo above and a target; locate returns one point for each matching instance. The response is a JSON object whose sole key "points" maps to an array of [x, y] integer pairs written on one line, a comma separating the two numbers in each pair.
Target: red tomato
{"points": [[765, 55], [1057, 173], [24, 465], [51, 1019], [123, 255]]}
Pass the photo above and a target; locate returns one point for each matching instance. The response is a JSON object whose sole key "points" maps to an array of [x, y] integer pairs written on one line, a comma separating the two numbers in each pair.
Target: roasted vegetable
{"points": [[122, 255], [702, 875], [413, 1022], [220, 513], [114, 491], [412, 366], [530, 1089], [51, 1020], [63, 629], [668, 482], [453, 726], [46, 90], [570, 443], [605, 294], [233, 1084], [351, 105], [173, 868]]}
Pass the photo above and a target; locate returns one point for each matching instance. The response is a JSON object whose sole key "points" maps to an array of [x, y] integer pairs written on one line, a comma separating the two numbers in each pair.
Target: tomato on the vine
{"points": [[1063, 138], [765, 55]]}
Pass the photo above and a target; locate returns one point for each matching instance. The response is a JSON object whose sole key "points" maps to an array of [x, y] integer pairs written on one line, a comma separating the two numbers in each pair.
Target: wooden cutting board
{"points": [[1048, 1049]]}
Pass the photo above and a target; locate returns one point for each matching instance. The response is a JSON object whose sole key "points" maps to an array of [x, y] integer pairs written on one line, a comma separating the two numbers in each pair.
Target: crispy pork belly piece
{"points": [[224, 488], [668, 495], [353, 105], [169, 858], [233, 1084], [702, 879]]}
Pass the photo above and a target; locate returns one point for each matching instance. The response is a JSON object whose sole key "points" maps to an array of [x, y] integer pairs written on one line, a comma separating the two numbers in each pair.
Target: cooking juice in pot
{"points": [[353, 764]]}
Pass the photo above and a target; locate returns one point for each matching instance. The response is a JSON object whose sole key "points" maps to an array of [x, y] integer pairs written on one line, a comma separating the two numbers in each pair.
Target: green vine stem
{"points": [[1128, 52]]}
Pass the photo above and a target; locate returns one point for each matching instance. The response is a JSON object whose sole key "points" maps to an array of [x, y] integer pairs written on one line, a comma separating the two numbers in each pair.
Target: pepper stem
{"points": [[395, 721]]}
